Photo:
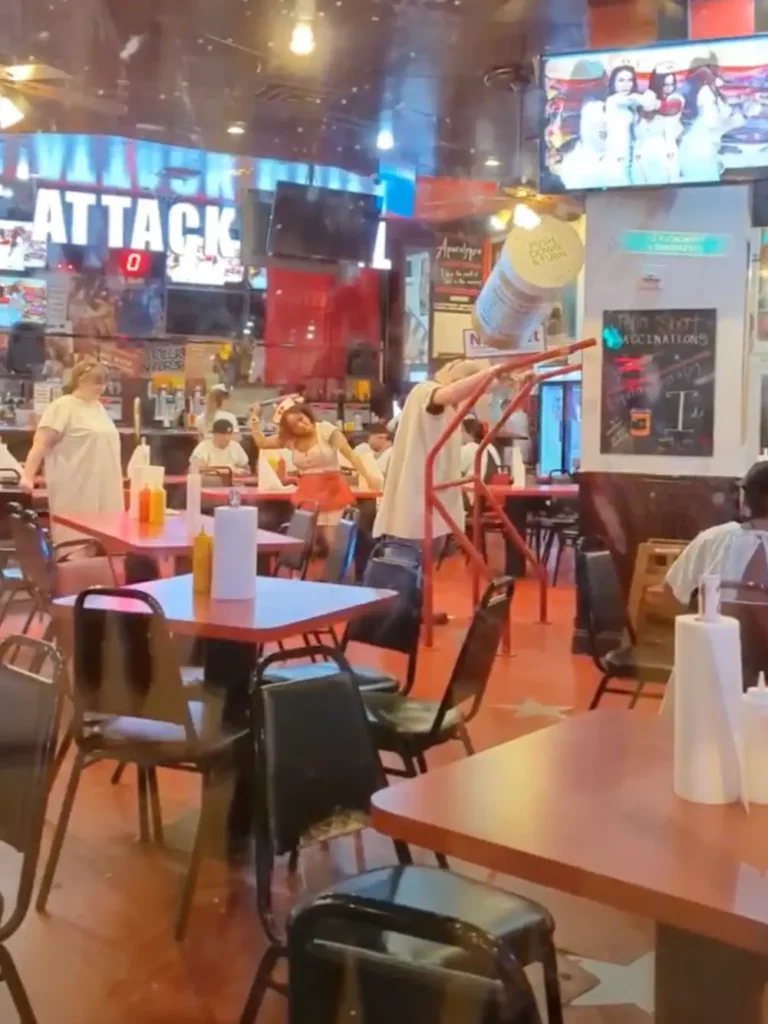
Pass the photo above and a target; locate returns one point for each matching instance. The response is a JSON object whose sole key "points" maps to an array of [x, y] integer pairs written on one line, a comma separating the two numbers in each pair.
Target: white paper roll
{"points": [[154, 476], [235, 533], [709, 749], [755, 718], [518, 469], [533, 266], [194, 499]]}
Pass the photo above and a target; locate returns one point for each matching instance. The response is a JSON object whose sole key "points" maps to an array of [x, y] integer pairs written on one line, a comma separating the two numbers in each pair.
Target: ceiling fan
{"points": [[20, 83]]}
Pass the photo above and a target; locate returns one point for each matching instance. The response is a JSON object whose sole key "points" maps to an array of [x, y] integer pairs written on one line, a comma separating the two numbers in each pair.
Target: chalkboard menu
{"points": [[457, 273], [658, 382]]}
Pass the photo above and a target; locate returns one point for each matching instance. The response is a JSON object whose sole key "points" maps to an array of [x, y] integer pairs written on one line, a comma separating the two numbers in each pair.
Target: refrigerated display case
{"points": [[559, 425]]}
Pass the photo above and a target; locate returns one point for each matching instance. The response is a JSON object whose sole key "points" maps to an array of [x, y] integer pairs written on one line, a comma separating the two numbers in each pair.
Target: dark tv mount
{"points": [[509, 77]]}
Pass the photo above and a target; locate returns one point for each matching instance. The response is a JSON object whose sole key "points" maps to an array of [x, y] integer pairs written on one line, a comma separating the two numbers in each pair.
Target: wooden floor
{"points": [[105, 954]]}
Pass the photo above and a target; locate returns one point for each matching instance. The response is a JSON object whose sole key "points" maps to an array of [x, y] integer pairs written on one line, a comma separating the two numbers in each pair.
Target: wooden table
{"points": [[122, 535], [587, 807], [535, 491]]}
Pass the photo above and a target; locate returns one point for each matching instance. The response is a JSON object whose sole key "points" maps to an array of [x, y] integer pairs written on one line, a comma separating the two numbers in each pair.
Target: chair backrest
{"points": [[393, 565], [124, 658], [216, 476], [29, 720], [301, 526], [603, 599], [340, 557], [316, 758], [746, 600], [35, 555], [472, 667]]}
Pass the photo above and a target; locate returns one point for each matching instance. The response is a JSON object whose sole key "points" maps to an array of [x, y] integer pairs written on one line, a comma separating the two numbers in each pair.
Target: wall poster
{"points": [[658, 382]]}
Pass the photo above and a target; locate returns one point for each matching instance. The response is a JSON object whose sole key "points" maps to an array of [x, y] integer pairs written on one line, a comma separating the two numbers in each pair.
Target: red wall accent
{"points": [[320, 319], [620, 23], [716, 19]]}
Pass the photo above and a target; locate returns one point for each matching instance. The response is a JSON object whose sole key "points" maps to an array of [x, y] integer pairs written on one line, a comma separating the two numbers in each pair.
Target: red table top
{"points": [[586, 806], [535, 491], [282, 608], [120, 534], [250, 496], [181, 478]]}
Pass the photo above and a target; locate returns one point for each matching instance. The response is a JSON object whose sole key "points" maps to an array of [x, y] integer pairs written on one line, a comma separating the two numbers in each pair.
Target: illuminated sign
{"points": [[68, 217]]}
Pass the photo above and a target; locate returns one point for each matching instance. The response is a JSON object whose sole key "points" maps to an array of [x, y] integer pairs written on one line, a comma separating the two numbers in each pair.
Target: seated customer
{"points": [[725, 550], [473, 432], [220, 451]]}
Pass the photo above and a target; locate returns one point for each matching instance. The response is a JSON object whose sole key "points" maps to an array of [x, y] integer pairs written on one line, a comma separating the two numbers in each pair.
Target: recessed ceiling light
{"points": [[492, 162], [302, 39], [385, 139], [236, 128]]}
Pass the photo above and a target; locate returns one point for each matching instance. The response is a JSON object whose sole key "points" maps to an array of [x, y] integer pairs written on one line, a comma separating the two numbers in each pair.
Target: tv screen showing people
{"points": [[691, 113]]}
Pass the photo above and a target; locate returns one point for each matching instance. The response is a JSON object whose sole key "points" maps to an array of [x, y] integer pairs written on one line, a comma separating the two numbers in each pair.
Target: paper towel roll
{"points": [[194, 498], [755, 719], [709, 751], [235, 532], [518, 469]]}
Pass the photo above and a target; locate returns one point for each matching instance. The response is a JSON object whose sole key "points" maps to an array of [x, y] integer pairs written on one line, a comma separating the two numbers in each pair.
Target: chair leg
{"points": [[154, 806], [61, 753], [260, 985], [465, 740], [117, 774], [293, 860], [193, 869], [558, 559], [61, 830], [10, 975], [357, 839], [403, 852], [637, 694], [141, 778], [552, 987], [421, 761], [599, 692]]}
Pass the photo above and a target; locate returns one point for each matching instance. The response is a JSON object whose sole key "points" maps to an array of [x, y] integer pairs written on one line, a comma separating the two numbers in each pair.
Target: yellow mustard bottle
{"points": [[202, 563], [157, 506]]}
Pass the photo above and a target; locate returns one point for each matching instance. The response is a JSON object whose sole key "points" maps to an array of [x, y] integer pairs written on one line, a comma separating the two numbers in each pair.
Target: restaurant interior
{"points": [[384, 512]]}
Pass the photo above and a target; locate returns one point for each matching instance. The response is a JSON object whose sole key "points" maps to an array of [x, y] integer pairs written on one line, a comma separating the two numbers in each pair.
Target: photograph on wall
{"points": [[658, 382], [18, 250], [102, 305], [22, 298], [686, 113]]}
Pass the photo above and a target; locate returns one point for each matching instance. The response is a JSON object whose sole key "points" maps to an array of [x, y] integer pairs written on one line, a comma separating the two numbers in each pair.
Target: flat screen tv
{"points": [[22, 298], [677, 114], [312, 223], [18, 251], [194, 267], [212, 312]]}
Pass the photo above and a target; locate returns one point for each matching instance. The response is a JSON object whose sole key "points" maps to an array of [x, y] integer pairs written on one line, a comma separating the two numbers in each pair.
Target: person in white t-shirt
{"points": [[216, 409], [220, 451], [725, 550], [473, 433]]}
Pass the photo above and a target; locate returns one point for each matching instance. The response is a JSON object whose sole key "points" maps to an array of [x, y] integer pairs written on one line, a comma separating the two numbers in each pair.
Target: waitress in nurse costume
{"points": [[81, 449], [316, 448]]}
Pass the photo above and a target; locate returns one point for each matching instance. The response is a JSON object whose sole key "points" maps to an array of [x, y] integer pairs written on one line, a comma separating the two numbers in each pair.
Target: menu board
{"points": [[658, 382], [457, 274]]}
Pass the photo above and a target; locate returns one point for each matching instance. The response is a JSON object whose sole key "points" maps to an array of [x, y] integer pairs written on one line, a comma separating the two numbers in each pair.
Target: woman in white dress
{"points": [[658, 131], [710, 116], [216, 402], [583, 167], [621, 108], [81, 449]]}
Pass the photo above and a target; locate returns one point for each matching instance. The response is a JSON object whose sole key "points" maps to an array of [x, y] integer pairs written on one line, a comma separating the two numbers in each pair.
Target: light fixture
{"points": [[385, 139], [492, 162], [526, 218], [236, 128], [20, 72], [302, 38], [499, 220], [11, 111]]}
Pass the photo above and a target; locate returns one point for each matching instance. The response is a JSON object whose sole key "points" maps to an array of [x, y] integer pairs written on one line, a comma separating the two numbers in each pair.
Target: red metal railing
{"points": [[434, 504]]}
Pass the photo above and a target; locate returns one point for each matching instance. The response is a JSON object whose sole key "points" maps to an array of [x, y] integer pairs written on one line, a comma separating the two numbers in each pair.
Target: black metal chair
{"points": [[606, 617], [396, 627], [29, 718], [408, 727], [325, 792], [217, 476], [301, 526], [130, 706]]}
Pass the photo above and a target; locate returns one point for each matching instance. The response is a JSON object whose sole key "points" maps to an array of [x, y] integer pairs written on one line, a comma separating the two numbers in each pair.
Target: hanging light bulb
{"points": [[302, 38], [385, 139]]}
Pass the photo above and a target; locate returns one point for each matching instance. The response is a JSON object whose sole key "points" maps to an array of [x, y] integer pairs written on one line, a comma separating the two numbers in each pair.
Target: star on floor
{"points": [[620, 984], [533, 709]]}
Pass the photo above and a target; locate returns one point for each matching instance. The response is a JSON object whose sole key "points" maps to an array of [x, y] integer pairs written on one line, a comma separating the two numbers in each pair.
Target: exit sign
{"points": [[674, 243]]}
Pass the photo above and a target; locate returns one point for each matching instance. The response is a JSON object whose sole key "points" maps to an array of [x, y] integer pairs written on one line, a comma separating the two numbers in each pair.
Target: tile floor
{"points": [[104, 954]]}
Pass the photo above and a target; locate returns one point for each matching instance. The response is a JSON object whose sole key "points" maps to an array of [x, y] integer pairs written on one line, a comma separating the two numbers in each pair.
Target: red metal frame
{"points": [[432, 503]]}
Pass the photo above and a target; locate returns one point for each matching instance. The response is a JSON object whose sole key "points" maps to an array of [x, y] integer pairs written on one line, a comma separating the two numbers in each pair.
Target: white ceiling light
{"points": [[385, 139], [11, 112], [526, 218], [492, 162], [302, 39], [236, 128]]}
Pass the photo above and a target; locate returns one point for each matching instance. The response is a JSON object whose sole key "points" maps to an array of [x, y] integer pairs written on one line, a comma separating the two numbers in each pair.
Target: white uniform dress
{"points": [[401, 513], [233, 456], [82, 471], [699, 153]]}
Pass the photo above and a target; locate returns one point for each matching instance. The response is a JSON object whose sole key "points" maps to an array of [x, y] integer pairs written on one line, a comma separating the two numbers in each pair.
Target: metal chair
{"points": [[395, 566], [217, 476], [130, 706], [30, 707], [301, 526], [408, 727], [325, 792], [606, 616]]}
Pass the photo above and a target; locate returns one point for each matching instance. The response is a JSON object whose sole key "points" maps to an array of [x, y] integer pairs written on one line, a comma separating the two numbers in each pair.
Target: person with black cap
{"points": [[725, 550], [220, 451]]}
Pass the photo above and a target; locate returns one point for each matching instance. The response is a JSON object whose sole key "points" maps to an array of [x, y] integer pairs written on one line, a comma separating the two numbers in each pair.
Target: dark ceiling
{"points": [[184, 70]]}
